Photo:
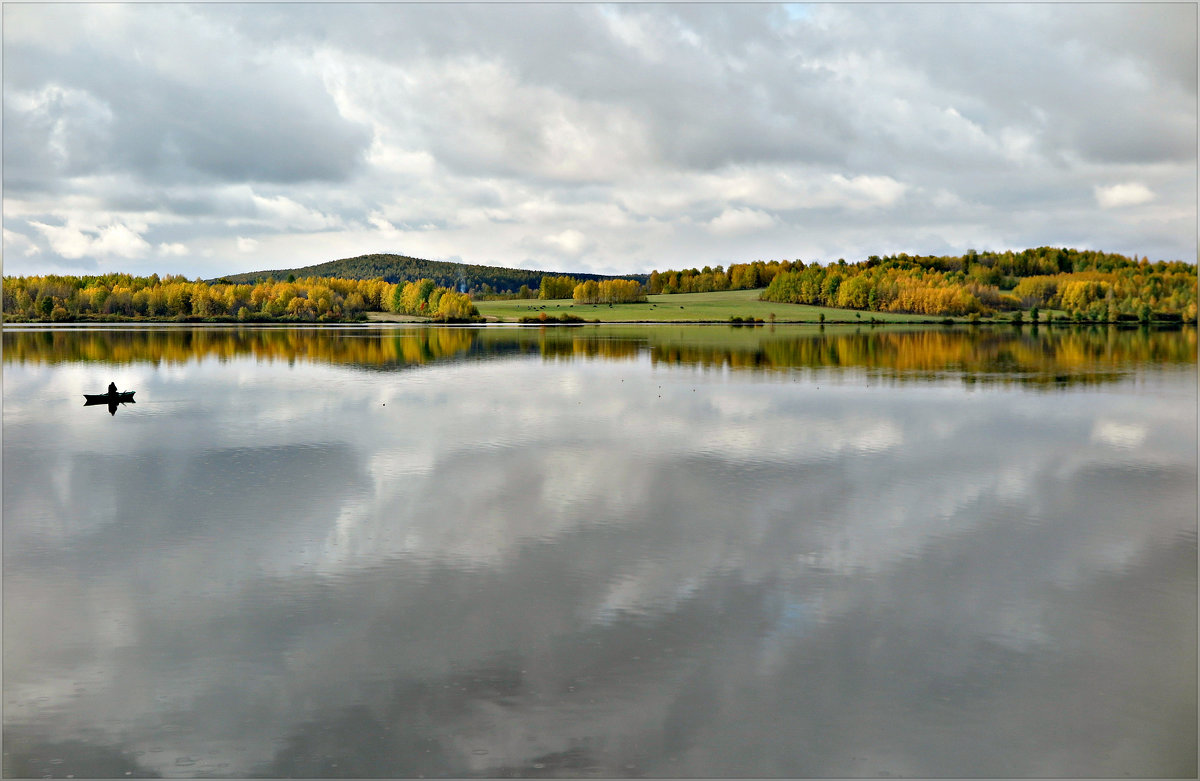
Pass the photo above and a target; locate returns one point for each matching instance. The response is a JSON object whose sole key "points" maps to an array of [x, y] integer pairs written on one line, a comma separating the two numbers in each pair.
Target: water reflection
{"points": [[546, 553], [1049, 357], [111, 402]]}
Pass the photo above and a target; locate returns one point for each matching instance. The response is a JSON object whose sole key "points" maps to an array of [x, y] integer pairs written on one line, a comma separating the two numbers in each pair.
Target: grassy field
{"points": [[710, 307]]}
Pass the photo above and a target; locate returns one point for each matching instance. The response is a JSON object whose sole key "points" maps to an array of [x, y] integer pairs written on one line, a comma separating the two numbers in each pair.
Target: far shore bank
{"points": [[737, 308], [388, 318]]}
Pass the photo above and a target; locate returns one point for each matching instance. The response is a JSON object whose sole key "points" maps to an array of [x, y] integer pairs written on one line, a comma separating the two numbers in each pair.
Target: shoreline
{"points": [[389, 318]]}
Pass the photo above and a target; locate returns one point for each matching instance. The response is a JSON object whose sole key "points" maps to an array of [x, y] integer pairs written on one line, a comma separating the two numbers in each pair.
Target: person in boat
{"points": [[112, 389]]}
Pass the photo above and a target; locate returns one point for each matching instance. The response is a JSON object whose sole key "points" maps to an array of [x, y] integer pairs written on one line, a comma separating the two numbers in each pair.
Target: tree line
{"points": [[608, 291], [310, 299], [1085, 285], [883, 289], [424, 298], [739, 276], [591, 291]]}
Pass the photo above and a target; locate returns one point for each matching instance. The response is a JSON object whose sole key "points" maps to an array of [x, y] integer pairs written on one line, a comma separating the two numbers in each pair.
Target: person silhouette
{"points": [[112, 389]]}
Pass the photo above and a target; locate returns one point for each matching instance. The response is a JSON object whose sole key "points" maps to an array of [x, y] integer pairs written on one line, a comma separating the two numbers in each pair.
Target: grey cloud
{"points": [[1056, 70], [54, 130], [700, 111], [217, 111], [494, 122], [255, 133], [730, 84], [1160, 38]]}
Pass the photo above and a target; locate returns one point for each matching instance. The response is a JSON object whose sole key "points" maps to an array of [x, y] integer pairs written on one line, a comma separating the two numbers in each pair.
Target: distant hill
{"points": [[401, 268]]}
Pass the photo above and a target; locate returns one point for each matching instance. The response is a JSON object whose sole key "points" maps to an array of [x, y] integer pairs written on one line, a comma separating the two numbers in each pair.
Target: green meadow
{"points": [[687, 307]]}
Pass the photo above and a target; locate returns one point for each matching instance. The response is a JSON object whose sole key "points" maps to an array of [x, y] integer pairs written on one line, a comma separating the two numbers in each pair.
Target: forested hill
{"points": [[400, 268]]}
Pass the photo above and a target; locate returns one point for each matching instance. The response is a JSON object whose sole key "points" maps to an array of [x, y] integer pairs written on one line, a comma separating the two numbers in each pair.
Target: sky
{"points": [[220, 138]]}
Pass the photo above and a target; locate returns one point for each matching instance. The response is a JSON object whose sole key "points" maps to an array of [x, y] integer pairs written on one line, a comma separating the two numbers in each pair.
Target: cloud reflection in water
{"points": [[579, 566]]}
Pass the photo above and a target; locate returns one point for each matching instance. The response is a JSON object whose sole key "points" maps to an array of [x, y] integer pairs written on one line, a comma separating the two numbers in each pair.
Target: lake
{"points": [[600, 551]]}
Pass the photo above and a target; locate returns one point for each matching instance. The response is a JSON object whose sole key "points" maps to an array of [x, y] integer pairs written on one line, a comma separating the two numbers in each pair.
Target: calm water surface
{"points": [[601, 551]]}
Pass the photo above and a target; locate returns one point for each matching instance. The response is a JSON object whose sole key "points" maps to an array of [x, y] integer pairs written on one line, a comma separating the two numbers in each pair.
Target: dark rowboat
{"points": [[109, 398]]}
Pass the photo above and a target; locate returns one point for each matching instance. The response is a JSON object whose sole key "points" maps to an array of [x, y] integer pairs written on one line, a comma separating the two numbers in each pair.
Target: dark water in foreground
{"points": [[605, 551]]}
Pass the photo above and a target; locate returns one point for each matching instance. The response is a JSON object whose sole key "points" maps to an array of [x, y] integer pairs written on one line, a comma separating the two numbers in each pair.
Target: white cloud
{"points": [[478, 116], [864, 191], [120, 241], [377, 221], [632, 30], [1118, 195], [172, 249], [19, 243], [67, 241], [246, 245], [284, 213], [732, 222], [570, 242], [115, 240], [760, 191], [394, 160]]}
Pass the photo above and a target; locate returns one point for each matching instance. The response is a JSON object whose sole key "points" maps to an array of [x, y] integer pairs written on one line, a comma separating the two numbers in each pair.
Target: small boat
{"points": [[109, 398]]}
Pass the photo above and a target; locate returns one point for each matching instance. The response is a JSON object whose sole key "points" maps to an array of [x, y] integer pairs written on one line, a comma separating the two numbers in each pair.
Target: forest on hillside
{"points": [[477, 281]]}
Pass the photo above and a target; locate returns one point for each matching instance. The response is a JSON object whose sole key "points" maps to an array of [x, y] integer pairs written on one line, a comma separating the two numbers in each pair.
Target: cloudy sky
{"points": [[218, 138]]}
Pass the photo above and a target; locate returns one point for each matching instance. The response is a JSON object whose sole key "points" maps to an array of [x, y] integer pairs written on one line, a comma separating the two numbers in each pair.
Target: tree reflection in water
{"points": [[1031, 356]]}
